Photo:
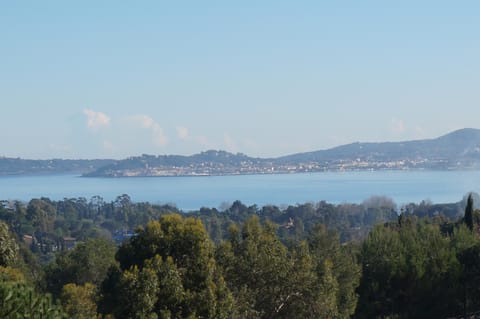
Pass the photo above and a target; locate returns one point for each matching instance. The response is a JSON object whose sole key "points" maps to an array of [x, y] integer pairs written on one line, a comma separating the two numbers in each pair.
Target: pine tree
{"points": [[469, 213]]}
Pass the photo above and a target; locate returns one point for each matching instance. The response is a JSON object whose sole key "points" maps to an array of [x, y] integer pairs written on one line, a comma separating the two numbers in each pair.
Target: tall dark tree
{"points": [[469, 212]]}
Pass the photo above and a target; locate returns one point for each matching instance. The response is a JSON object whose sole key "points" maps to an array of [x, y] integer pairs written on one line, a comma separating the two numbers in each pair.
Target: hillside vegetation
{"points": [[305, 261]]}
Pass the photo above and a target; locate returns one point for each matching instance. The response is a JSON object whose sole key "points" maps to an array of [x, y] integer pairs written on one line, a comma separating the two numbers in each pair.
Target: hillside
{"points": [[457, 150], [18, 166], [206, 163]]}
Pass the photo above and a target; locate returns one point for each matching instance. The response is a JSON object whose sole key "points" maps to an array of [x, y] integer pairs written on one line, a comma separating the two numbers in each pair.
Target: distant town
{"points": [[454, 151], [459, 150], [245, 168]]}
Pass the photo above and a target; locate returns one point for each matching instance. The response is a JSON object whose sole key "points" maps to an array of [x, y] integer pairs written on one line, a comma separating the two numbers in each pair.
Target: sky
{"points": [[113, 79]]}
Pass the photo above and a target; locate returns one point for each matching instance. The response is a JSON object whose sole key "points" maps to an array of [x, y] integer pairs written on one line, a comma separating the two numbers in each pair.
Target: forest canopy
{"points": [[81, 258]]}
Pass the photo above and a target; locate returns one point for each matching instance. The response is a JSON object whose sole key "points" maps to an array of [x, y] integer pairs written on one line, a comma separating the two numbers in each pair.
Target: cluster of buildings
{"points": [[247, 168]]}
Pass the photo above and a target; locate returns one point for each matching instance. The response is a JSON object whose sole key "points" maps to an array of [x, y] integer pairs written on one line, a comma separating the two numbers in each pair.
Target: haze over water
{"points": [[190, 193]]}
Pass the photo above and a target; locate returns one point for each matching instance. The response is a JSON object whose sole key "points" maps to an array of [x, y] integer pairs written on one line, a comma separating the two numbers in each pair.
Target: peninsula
{"points": [[458, 150], [454, 151]]}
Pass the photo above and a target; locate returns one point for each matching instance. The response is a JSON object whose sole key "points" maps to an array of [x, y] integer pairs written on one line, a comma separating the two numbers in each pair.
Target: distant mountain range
{"points": [[457, 150]]}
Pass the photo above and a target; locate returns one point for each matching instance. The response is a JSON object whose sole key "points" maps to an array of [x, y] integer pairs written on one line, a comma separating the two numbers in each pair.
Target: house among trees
{"points": [[28, 240], [68, 243]]}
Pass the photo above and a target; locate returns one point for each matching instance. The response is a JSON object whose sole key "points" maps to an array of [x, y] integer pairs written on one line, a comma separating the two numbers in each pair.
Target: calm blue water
{"points": [[190, 193]]}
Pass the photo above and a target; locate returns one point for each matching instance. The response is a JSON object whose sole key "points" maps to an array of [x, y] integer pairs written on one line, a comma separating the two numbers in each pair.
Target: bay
{"points": [[190, 193]]}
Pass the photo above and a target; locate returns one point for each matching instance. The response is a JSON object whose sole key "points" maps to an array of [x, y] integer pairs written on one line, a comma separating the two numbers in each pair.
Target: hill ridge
{"points": [[459, 149], [456, 150]]}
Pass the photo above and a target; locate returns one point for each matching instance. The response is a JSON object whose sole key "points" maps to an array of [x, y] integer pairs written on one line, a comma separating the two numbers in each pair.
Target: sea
{"points": [[192, 193]]}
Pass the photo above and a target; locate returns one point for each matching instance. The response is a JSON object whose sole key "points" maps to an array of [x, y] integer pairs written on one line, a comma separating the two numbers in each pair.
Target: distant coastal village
{"points": [[247, 168], [459, 150]]}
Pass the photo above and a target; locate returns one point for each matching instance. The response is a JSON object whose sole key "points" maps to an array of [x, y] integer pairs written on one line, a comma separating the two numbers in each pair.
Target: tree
{"points": [[41, 212], [409, 271], [176, 255], [269, 280], [8, 246], [469, 212], [79, 301], [87, 263], [18, 300], [138, 293], [470, 278], [328, 289], [340, 263]]}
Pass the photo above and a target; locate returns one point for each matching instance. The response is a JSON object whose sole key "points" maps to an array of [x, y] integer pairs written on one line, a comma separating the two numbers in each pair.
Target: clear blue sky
{"points": [[110, 79]]}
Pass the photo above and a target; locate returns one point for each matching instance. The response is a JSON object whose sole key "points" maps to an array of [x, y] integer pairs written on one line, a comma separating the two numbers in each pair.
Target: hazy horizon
{"points": [[206, 150], [111, 80]]}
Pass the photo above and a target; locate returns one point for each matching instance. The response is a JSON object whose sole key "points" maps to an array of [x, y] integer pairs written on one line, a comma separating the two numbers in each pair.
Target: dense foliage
{"points": [[82, 259], [18, 298]]}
